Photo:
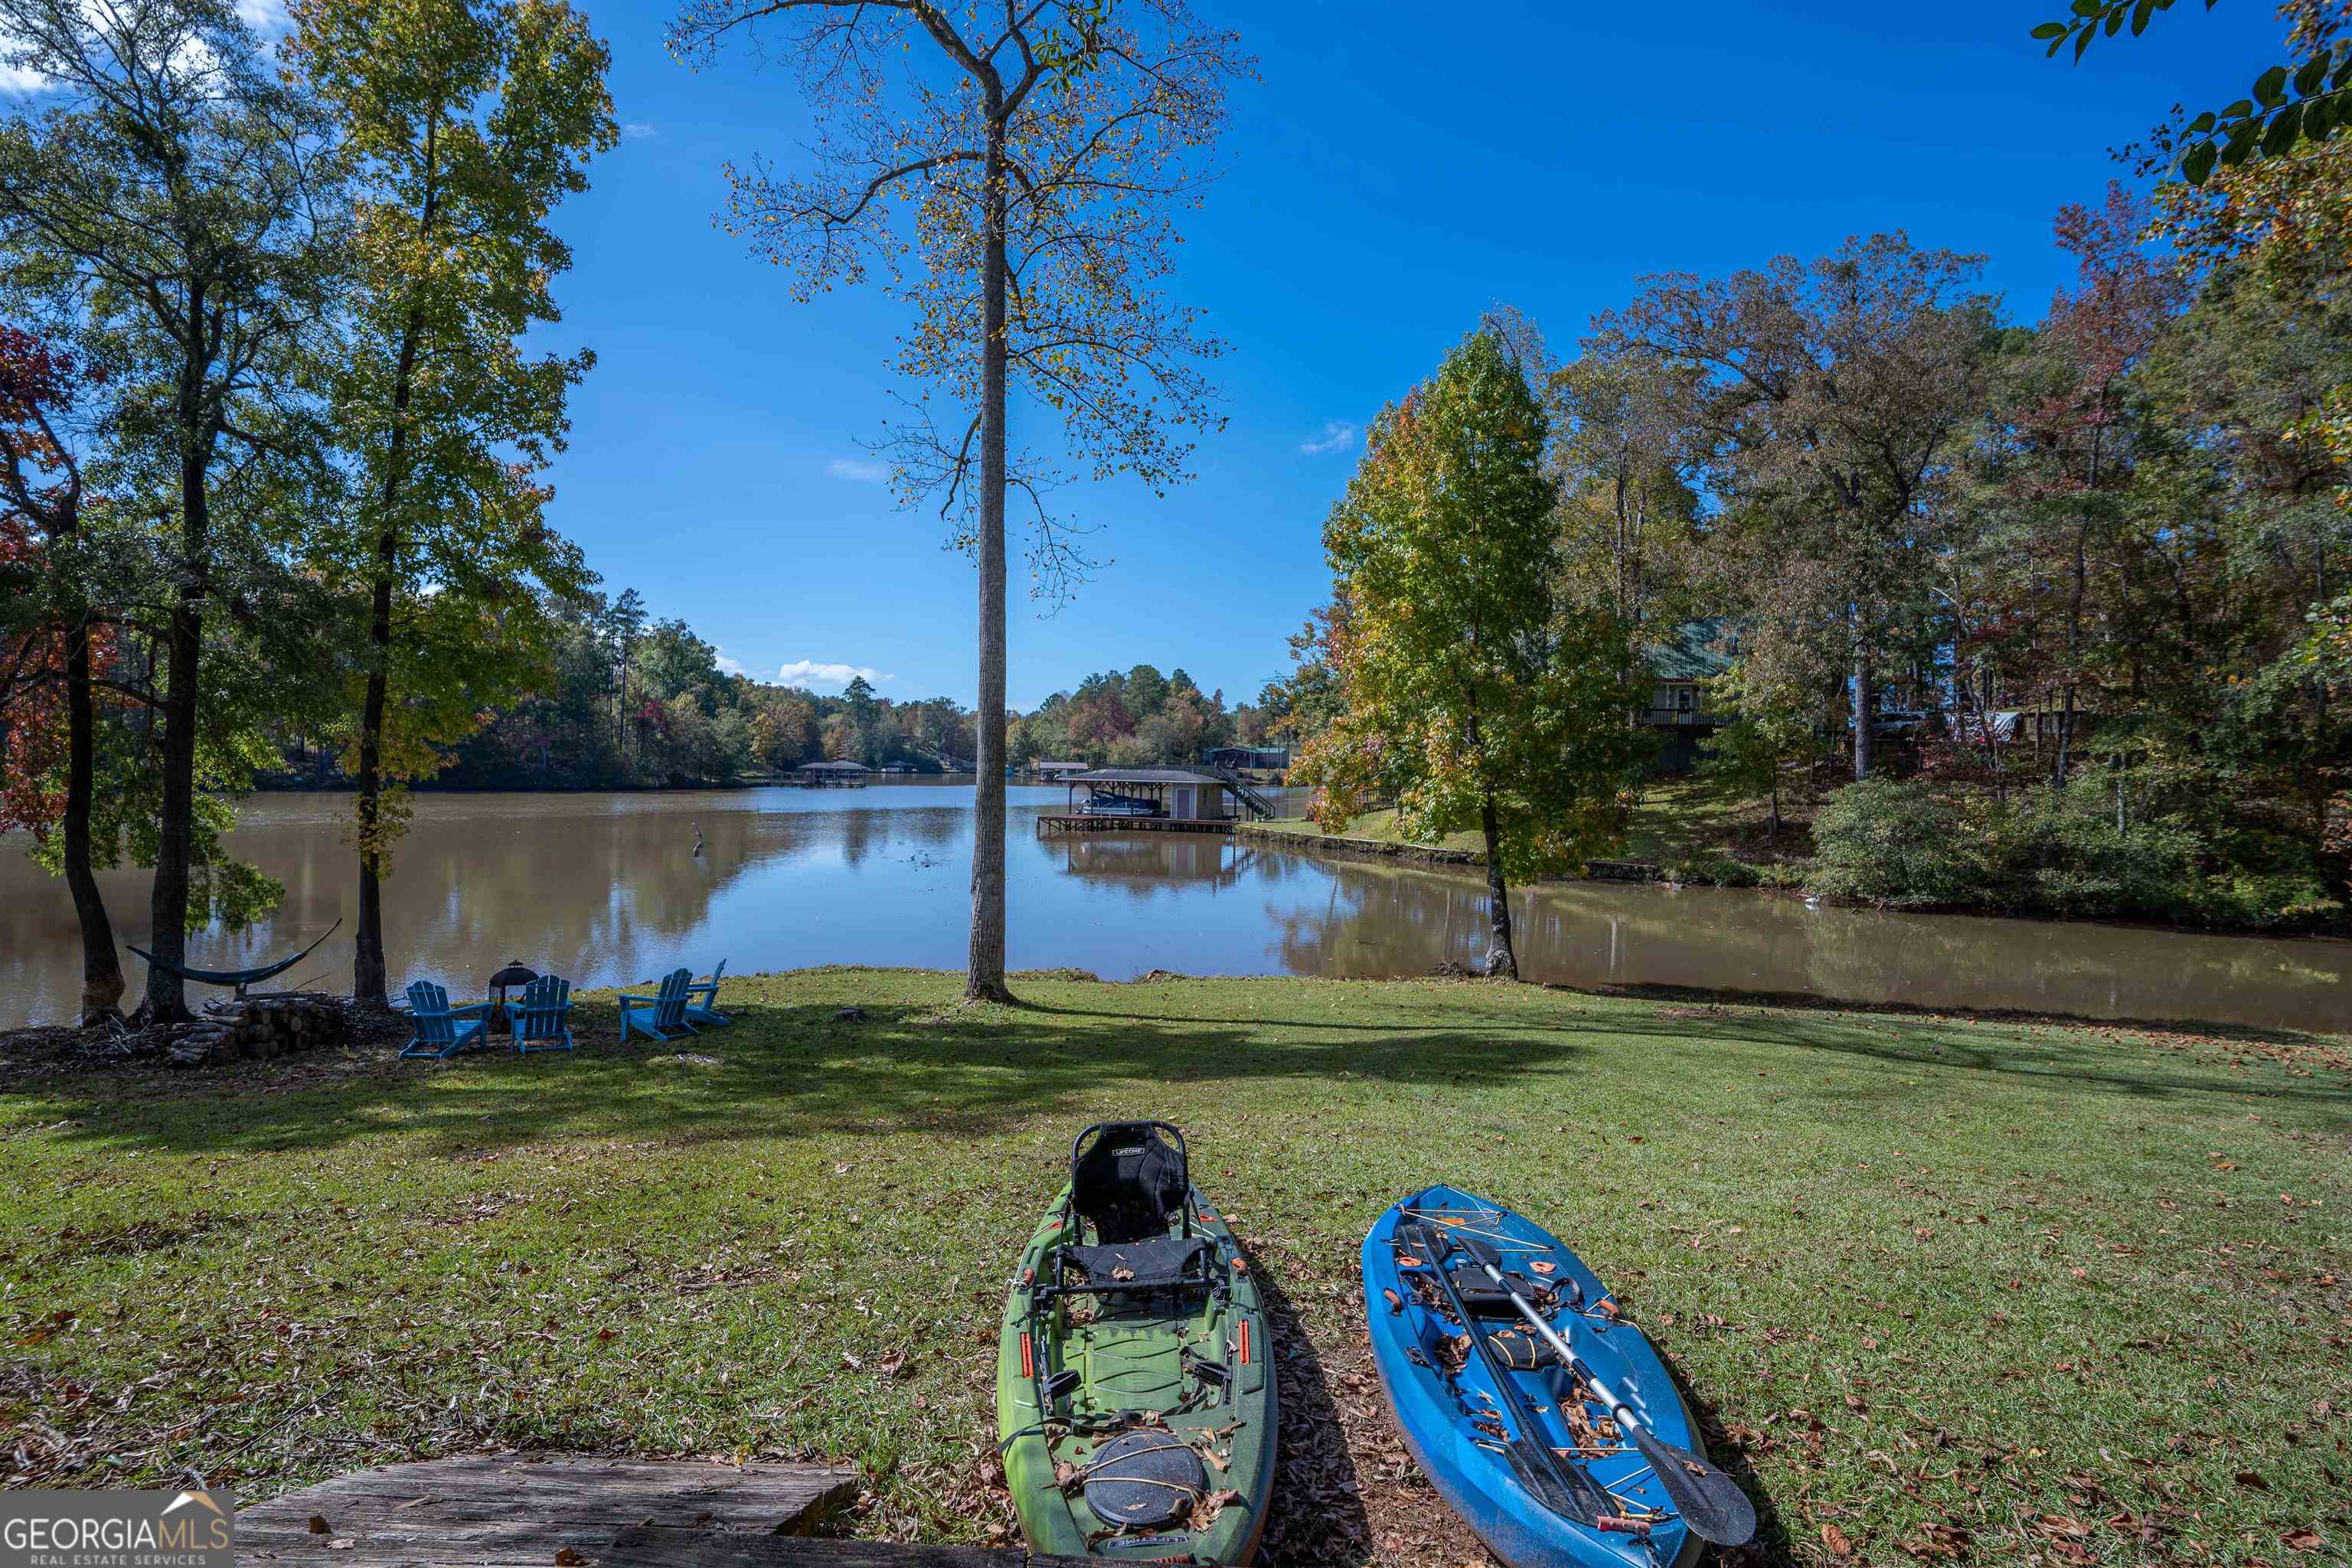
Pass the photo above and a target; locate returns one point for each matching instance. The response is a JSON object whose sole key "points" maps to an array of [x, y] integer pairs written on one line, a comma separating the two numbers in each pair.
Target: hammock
{"points": [[240, 978]]}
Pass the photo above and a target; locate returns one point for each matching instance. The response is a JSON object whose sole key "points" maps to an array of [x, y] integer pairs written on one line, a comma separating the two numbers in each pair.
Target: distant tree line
{"points": [[1137, 717]]}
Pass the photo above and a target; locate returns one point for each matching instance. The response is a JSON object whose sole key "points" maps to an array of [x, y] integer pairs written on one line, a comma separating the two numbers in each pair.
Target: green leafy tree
{"points": [[165, 205], [464, 123], [1833, 397], [1773, 720], [2305, 101], [1472, 697], [1014, 172]]}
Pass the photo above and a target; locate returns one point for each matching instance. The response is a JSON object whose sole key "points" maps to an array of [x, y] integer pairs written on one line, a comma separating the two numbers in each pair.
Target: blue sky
{"points": [[1389, 177]]}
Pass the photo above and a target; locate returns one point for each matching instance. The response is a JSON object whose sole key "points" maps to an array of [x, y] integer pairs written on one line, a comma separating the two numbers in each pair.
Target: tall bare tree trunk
{"points": [[1860, 702], [168, 908], [368, 968], [984, 976], [101, 969], [367, 941], [1502, 962]]}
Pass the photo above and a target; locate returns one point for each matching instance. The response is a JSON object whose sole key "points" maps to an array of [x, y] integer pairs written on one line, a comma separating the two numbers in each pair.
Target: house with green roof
{"points": [[1680, 663]]}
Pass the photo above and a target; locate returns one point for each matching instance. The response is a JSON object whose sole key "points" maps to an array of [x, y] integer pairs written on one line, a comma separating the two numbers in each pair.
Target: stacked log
{"points": [[258, 1028]]}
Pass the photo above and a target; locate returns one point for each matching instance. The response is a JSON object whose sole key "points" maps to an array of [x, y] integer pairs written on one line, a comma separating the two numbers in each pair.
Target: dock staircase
{"points": [[1256, 804]]}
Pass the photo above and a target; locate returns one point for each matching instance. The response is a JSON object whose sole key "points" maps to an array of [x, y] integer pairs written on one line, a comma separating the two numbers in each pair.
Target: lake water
{"points": [[605, 888]]}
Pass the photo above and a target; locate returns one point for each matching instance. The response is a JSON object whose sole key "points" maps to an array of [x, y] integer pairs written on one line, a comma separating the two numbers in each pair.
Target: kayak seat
{"points": [[1486, 1300], [1158, 1263], [1129, 1180]]}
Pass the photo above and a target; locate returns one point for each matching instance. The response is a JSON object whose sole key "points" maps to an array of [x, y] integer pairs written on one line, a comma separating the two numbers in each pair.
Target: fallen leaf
{"points": [[318, 1525], [1122, 1273], [567, 1558], [1540, 1267], [2302, 1538], [1834, 1538], [2252, 1482]]}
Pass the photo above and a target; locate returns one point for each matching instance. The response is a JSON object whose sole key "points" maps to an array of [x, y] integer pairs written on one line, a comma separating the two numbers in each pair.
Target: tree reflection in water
{"points": [[605, 890]]}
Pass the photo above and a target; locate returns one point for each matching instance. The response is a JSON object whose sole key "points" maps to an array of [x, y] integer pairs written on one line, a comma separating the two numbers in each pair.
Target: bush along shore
{"points": [[1937, 1288]]}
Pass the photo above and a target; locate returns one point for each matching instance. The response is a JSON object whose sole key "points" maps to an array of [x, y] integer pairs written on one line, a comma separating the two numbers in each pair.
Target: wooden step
{"points": [[511, 1512]]}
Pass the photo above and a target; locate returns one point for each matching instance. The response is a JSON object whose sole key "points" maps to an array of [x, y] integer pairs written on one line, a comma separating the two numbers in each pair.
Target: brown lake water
{"points": [[605, 888]]}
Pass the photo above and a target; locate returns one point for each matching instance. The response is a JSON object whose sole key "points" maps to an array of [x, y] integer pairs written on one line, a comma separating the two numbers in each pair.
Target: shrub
{"points": [[1898, 846], [2060, 852], [1712, 870]]}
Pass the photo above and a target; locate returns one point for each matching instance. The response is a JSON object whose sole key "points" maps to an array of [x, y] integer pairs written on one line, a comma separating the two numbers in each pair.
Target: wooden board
{"points": [[513, 1512], [655, 1546]]}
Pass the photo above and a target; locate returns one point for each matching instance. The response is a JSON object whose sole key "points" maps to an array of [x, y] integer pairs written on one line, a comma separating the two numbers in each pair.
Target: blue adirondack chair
{"points": [[542, 1019], [441, 1030], [662, 1015], [702, 999]]}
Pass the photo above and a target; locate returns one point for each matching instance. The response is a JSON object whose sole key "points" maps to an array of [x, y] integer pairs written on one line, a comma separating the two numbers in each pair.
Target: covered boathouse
{"points": [[833, 774], [1162, 800]]}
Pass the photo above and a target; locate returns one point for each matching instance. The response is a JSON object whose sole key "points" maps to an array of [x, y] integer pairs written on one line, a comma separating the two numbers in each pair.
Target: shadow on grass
{"points": [[799, 1069]]}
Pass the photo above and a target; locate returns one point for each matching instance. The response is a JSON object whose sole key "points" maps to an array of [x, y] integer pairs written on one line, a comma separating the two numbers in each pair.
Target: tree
{"points": [[1773, 718], [2071, 427], [1623, 421], [1473, 694], [167, 210], [1837, 392], [1038, 153], [43, 490], [2306, 101], [465, 122]]}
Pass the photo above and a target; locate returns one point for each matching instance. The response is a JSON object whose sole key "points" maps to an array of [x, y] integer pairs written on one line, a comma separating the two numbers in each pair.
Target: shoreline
{"points": [[1338, 847]]}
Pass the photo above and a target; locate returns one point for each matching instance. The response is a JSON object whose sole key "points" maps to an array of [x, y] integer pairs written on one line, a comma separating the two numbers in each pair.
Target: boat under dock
{"points": [[1081, 823]]}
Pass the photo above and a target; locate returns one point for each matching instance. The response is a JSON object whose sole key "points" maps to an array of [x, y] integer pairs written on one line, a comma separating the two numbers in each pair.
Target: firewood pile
{"points": [[260, 1028]]}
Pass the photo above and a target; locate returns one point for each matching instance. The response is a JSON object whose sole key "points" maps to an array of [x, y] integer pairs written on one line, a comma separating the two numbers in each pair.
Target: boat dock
{"points": [[1080, 822]]}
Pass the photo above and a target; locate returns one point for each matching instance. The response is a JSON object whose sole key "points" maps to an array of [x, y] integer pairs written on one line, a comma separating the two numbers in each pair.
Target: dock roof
{"points": [[1145, 776], [843, 766]]}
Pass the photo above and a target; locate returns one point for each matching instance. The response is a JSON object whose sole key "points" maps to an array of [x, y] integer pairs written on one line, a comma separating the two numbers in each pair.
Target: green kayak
{"points": [[1134, 1384]]}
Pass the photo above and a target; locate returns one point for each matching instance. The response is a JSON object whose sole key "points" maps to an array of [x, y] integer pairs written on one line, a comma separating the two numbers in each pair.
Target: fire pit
{"points": [[514, 974]]}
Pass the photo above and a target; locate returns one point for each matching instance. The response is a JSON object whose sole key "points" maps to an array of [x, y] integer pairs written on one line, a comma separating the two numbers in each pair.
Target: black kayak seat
{"points": [[1486, 1299], [1129, 1179], [1157, 1263]]}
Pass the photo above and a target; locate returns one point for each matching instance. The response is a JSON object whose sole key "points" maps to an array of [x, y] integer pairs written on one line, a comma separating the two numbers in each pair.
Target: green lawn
{"points": [[1944, 1289], [1378, 827]]}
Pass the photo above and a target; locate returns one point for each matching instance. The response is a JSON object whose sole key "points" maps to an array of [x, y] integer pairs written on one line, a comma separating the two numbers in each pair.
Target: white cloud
{"points": [[266, 18], [1338, 435], [865, 471], [638, 130], [728, 666], [813, 672], [17, 80]]}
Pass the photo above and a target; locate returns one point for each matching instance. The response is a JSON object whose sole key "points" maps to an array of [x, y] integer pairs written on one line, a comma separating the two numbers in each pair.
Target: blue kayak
{"points": [[1594, 1502]]}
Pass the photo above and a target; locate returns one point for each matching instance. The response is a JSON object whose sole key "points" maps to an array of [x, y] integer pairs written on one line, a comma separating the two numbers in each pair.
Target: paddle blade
{"points": [[1479, 1250], [1710, 1502]]}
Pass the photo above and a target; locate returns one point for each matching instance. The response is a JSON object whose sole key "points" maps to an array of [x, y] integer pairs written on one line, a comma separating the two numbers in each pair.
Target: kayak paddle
{"points": [[1563, 1488], [1710, 1502]]}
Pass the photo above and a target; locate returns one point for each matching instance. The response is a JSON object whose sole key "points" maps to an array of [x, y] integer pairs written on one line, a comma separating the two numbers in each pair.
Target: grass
{"points": [[2005, 1292], [1378, 827], [1685, 817]]}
